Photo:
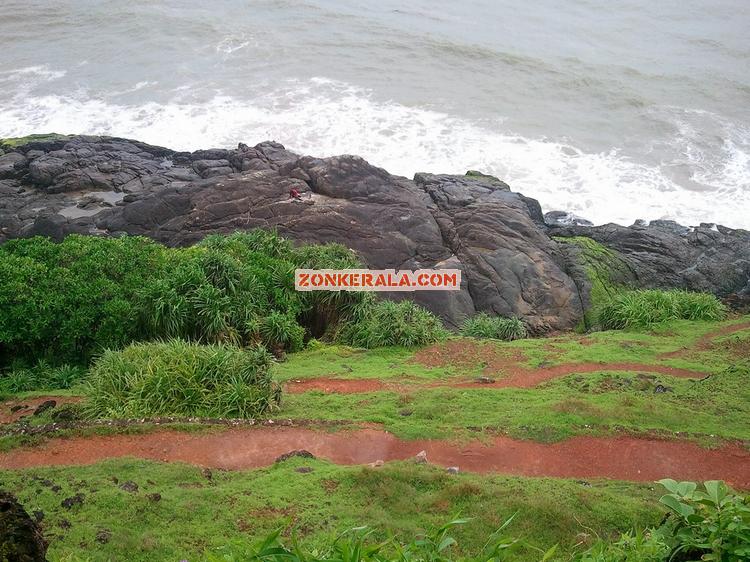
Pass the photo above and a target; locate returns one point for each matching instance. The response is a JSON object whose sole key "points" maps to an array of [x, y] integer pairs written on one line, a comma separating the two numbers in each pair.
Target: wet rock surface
{"points": [[500, 240]]}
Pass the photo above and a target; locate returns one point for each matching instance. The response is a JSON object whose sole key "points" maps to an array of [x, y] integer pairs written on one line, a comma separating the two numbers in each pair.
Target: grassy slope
{"points": [[592, 403], [195, 514]]}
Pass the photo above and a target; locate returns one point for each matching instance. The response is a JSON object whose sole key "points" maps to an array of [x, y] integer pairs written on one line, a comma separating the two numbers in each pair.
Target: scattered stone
{"points": [[485, 380], [21, 538], [452, 470], [129, 486], [207, 474], [377, 464], [44, 406], [103, 536], [298, 453], [155, 497], [68, 503], [405, 412], [660, 388], [303, 469], [584, 483], [421, 457]]}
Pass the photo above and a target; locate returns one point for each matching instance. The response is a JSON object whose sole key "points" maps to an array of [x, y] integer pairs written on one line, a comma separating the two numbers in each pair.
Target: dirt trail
{"points": [[14, 410], [458, 353], [517, 377], [622, 458], [705, 342]]}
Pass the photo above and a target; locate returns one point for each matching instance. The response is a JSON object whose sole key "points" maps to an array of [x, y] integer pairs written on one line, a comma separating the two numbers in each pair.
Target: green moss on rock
{"points": [[606, 272], [14, 142]]}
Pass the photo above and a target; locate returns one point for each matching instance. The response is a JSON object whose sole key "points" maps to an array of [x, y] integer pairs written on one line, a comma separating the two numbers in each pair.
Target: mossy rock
{"points": [[599, 272], [15, 142]]}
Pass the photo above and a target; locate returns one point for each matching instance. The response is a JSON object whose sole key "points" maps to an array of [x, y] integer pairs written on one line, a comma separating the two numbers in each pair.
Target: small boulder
{"points": [[452, 470], [44, 406], [377, 464], [68, 503], [421, 457], [155, 497], [129, 486], [103, 536]]}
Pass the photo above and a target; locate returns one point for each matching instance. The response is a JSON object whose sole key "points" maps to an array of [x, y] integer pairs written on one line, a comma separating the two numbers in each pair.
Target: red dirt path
{"points": [[705, 342], [518, 377], [622, 458]]}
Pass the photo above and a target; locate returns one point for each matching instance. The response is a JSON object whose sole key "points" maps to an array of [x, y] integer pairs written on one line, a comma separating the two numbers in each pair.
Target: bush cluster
{"points": [[644, 308], [494, 327], [65, 302], [61, 302], [388, 323], [178, 378]]}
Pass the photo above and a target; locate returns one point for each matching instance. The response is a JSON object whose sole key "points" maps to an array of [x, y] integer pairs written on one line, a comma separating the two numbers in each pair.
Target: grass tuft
{"points": [[494, 327], [645, 308], [179, 378]]}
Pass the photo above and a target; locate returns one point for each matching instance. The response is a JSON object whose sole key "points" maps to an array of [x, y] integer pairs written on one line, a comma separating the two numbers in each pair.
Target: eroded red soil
{"points": [[622, 458], [706, 342], [516, 377]]}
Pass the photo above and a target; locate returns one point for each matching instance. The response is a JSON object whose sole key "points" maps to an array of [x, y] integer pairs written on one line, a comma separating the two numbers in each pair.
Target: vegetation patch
{"points": [[606, 271], [388, 323], [177, 378], [14, 142], [494, 327], [206, 511], [644, 308]]}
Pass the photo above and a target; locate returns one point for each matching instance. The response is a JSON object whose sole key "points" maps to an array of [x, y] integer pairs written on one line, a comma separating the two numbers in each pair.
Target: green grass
{"points": [[600, 403], [598, 347], [196, 514], [596, 403]]}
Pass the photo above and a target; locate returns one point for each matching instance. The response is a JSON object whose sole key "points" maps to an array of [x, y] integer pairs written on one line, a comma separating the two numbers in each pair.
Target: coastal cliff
{"points": [[515, 262]]}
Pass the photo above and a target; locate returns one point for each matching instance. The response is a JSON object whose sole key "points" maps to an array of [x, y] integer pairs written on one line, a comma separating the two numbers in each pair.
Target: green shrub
{"points": [[66, 302], [494, 327], [240, 289], [62, 302], [388, 323], [708, 524], [182, 379], [41, 376], [644, 308]]}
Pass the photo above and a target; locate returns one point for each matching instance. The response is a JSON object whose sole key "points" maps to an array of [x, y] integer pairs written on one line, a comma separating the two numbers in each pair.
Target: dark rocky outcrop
{"points": [[512, 260], [21, 538]]}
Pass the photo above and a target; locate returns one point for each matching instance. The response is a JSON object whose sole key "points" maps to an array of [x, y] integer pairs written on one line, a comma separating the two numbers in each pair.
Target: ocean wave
{"points": [[324, 117]]}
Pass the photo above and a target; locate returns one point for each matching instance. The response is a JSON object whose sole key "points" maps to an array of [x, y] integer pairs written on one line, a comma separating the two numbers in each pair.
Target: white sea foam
{"points": [[324, 118]]}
